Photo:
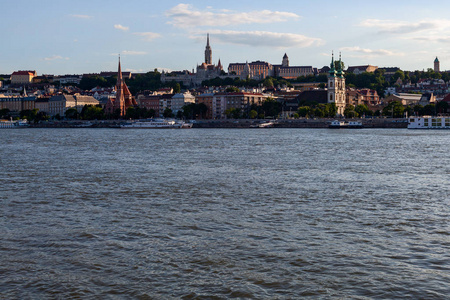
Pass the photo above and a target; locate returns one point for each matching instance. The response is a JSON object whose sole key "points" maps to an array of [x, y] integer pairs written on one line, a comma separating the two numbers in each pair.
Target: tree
{"points": [[271, 107], [268, 82], [362, 109], [4, 113], [177, 88], [442, 107], [253, 114], [394, 109], [304, 111], [29, 114], [349, 111], [167, 113], [90, 112], [71, 113]]}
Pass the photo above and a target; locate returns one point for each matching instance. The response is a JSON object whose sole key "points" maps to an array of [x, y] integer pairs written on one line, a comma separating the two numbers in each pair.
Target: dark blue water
{"points": [[223, 213]]}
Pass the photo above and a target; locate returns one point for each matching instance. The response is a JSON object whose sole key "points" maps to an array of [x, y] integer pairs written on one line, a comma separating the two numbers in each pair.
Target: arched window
{"points": [[331, 83], [331, 97]]}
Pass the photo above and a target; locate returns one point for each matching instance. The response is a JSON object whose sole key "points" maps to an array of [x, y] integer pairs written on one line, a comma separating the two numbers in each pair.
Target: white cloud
{"points": [[148, 36], [369, 53], [402, 27], [265, 39], [120, 27], [130, 52], [185, 15], [55, 57], [81, 16]]}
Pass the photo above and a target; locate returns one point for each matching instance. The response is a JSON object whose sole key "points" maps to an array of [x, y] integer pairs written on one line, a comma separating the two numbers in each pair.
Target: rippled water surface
{"points": [[224, 213]]}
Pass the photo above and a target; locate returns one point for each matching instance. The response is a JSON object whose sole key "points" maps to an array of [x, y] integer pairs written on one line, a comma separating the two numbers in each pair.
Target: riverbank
{"points": [[240, 123]]}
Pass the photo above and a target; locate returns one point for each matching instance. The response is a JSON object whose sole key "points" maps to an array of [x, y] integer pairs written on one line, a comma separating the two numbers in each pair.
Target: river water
{"points": [[224, 213]]}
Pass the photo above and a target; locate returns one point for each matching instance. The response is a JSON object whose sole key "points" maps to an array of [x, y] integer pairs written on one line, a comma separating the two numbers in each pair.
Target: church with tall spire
{"points": [[123, 99], [207, 70], [336, 85]]}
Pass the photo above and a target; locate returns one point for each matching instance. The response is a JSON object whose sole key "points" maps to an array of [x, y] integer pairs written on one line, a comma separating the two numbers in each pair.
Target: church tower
{"points": [[119, 103], [436, 65], [208, 52], [123, 99], [285, 62], [336, 86]]}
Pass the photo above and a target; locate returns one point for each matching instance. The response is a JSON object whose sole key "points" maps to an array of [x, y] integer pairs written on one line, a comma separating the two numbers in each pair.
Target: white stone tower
{"points": [[336, 86]]}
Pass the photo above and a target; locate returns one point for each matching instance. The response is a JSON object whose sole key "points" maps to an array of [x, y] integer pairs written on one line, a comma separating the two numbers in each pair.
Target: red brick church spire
{"points": [[119, 103], [123, 99]]}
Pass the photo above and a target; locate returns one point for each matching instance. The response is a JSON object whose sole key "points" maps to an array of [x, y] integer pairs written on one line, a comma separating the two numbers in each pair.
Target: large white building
{"points": [[58, 105], [175, 103]]}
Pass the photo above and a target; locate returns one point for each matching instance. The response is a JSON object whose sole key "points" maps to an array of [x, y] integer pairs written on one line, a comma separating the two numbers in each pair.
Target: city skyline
{"points": [[87, 36]]}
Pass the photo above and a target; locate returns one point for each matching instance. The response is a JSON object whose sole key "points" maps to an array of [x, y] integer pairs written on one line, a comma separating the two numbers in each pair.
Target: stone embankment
{"points": [[299, 123], [240, 123]]}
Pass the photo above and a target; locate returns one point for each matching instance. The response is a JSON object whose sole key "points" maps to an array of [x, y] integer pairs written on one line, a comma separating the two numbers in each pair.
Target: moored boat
{"points": [[429, 122], [14, 124], [156, 124], [345, 124]]}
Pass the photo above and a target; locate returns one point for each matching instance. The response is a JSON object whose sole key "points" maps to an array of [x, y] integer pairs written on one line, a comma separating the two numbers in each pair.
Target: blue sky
{"points": [[74, 37]]}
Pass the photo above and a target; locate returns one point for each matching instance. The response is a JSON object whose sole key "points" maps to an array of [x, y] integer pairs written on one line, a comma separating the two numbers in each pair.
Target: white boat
{"points": [[14, 124], [345, 124], [156, 124], [429, 122]]}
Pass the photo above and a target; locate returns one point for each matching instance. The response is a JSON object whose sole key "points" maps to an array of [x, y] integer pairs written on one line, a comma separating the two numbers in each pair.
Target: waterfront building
{"points": [[436, 65], [17, 103], [22, 77], [59, 104], [149, 102], [207, 99], [123, 99], [175, 103], [336, 86], [41, 104]]}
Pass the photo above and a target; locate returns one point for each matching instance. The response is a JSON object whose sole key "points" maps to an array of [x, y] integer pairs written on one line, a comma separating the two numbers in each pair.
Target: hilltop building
{"points": [[21, 77], [361, 69], [292, 72], [336, 86], [123, 99]]}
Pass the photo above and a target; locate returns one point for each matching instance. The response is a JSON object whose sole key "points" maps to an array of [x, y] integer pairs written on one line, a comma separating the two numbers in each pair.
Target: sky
{"points": [[76, 37]]}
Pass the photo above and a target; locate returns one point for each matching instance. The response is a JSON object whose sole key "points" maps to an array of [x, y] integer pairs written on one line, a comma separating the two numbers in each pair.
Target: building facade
{"points": [[17, 103], [291, 72], [58, 105]]}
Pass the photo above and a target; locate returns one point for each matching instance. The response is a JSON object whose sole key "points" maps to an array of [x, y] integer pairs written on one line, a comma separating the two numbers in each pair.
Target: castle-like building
{"points": [[336, 86], [123, 99]]}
